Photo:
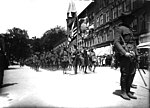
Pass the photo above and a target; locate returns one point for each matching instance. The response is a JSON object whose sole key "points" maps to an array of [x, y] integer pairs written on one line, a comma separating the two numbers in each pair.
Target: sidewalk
{"points": [[28, 88]]}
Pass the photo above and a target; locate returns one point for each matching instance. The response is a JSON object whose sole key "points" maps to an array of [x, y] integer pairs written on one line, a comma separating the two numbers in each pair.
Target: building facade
{"points": [[106, 15], [103, 16]]}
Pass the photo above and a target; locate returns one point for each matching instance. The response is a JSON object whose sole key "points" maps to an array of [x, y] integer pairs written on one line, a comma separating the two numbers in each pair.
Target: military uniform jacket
{"points": [[93, 56], [2, 45], [124, 40], [2, 51]]}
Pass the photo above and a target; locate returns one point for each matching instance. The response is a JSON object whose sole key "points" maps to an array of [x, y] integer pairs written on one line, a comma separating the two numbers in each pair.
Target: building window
{"points": [[124, 6], [107, 16], [110, 1], [88, 43], [127, 5], [105, 36], [110, 35], [101, 19], [134, 4], [119, 10], [93, 15], [134, 24], [100, 39], [132, 1], [93, 42], [97, 22], [143, 22], [113, 33], [142, 25], [114, 13]]}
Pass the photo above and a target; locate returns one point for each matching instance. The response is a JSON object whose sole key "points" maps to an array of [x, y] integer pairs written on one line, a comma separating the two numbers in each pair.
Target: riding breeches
{"points": [[128, 70]]}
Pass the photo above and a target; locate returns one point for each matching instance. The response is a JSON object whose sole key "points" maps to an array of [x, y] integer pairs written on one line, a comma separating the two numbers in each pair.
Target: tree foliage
{"points": [[19, 46], [52, 37], [16, 41], [35, 44]]}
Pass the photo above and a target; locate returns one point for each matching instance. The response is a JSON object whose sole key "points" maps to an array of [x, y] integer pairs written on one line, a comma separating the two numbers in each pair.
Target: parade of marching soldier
{"points": [[74, 54]]}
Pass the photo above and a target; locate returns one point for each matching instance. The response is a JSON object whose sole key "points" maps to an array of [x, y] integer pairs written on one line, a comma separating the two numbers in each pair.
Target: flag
{"points": [[71, 18], [75, 28], [71, 10]]}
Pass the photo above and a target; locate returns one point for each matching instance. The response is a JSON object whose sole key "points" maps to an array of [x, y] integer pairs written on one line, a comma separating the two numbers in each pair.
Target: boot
{"points": [[133, 86], [131, 96], [125, 96]]}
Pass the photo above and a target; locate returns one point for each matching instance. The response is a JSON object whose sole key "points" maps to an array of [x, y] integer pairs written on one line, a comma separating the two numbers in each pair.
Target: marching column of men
{"points": [[76, 59]]}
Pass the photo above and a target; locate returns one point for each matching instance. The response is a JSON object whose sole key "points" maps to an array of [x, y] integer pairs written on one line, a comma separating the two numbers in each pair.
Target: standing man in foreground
{"points": [[126, 46], [2, 60]]}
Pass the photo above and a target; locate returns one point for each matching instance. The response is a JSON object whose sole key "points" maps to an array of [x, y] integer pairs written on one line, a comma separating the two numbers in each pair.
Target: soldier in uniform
{"points": [[2, 60], [92, 59], [75, 59], [64, 59], [85, 56], [126, 46]]}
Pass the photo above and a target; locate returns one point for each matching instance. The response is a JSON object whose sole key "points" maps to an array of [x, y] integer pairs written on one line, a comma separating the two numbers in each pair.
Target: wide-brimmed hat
{"points": [[127, 14]]}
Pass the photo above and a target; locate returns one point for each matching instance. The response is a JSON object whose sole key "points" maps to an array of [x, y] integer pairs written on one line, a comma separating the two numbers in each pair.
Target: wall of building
{"points": [[105, 15]]}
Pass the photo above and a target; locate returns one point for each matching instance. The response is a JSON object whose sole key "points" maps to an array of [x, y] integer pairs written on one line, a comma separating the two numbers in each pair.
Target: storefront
{"points": [[144, 52], [105, 50], [144, 45]]}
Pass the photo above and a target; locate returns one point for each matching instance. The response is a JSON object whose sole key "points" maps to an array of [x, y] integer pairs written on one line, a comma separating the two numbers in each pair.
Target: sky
{"points": [[36, 16]]}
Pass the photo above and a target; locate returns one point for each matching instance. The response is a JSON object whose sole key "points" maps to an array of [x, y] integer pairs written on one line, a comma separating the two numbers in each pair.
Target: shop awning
{"points": [[144, 45], [107, 50]]}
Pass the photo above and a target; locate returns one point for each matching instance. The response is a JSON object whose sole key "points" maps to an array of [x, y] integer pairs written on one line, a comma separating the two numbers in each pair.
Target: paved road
{"points": [[25, 87]]}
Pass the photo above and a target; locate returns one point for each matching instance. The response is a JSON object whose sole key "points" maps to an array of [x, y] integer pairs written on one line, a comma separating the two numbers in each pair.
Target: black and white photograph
{"points": [[74, 53]]}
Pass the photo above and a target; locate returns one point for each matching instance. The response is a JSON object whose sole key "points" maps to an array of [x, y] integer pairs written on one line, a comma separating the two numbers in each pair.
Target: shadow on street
{"points": [[8, 84], [118, 92], [11, 68], [4, 95]]}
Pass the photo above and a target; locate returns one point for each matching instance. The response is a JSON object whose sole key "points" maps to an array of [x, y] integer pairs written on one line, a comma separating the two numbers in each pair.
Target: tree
{"points": [[52, 37], [35, 45], [17, 44]]}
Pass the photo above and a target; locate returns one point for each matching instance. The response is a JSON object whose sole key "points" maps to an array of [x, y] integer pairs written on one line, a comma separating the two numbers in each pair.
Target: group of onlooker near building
{"points": [[144, 60], [105, 60]]}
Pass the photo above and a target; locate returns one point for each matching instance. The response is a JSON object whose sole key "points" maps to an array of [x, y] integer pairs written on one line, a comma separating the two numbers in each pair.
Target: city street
{"points": [[24, 87]]}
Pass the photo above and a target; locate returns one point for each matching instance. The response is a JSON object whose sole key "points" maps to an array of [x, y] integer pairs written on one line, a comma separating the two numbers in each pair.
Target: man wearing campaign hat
{"points": [[125, 44]]}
